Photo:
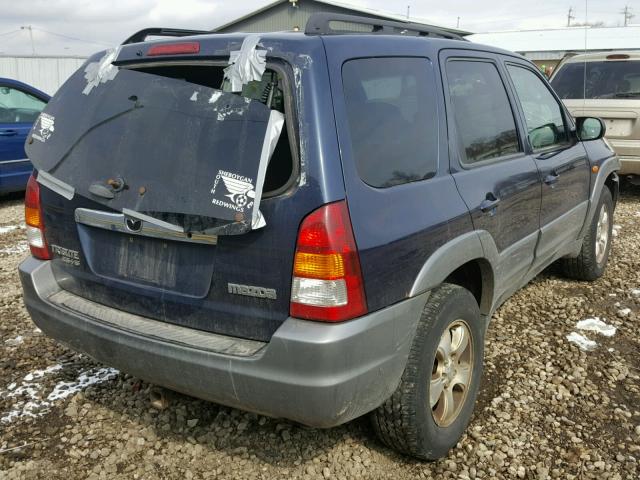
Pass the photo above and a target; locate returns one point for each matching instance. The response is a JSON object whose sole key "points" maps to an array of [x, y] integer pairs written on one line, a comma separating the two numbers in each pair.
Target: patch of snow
{"points": [[583, 342], [13, 342], [194, 97], [615, 230], [635, 292], [596, 325], [19, 248], [29, 390], [32, 400], [30, 377], [90, 377], [624, 312], [8, 228]]}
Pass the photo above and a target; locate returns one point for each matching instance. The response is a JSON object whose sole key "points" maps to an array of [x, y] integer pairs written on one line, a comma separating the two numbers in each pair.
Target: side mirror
{"points": [[590, 128]]}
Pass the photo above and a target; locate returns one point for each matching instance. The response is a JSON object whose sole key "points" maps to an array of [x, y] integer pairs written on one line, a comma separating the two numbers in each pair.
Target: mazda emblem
{"points": [[133, 225]]}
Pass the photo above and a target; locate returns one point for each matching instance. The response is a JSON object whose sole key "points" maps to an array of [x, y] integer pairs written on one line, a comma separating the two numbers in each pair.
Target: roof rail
{"points": [[320, 24], [142, 35]]}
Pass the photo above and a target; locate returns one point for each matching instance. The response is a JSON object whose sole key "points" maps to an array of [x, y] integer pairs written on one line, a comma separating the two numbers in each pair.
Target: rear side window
{"points": [[542, 113], [483, 116], [392, 116], [610, 79]]}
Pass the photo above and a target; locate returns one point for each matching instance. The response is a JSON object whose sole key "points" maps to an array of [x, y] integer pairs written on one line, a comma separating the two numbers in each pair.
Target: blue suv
{"points": [[311, 226]]}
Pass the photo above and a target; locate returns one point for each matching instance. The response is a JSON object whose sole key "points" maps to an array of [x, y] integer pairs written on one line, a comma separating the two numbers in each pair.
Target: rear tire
{"points": [[591, 263], [432, 406]]}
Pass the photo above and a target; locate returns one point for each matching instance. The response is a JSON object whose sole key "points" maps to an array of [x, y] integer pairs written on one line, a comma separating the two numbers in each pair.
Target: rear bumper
{"points": [[317, 374], [629, 153]]}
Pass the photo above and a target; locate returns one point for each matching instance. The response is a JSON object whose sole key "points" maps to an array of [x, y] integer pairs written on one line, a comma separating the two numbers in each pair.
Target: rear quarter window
{"points": [[392, 117]]}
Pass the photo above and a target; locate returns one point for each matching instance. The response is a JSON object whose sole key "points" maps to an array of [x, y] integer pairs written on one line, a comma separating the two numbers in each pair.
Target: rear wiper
{"points": [[627, 94]]}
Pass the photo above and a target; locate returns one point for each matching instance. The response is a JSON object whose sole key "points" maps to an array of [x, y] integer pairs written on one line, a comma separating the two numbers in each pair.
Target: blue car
{"points": [[20, 105]]}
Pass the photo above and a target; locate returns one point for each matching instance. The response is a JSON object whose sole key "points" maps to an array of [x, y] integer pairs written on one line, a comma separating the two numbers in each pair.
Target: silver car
{"points": [[606, 85]]}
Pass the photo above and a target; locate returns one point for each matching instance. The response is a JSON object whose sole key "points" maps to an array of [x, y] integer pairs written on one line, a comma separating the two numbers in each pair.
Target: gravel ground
{"points": [[547, 409]]}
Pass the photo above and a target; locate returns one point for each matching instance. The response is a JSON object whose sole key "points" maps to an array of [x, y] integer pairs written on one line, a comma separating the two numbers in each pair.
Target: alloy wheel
{"points": [[452, 373]]}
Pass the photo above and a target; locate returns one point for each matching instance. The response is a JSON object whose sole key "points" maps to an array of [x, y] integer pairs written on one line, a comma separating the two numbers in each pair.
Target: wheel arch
{"points": [[612, 182], [607, 177], [461, 261]]}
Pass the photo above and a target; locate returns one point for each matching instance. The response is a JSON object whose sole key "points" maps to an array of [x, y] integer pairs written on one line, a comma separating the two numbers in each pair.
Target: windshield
{"points": [[186, 154], [603, 80]]}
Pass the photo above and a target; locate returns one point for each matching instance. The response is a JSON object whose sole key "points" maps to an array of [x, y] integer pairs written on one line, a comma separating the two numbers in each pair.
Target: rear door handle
{"points": [[489, 204], [8, 133], [551, 178]]}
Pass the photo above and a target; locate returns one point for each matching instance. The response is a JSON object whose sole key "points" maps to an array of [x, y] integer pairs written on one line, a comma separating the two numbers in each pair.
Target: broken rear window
{"points": [[165, 143]]}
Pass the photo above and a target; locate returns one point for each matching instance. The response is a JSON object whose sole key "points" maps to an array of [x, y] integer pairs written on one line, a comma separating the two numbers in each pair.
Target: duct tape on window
{"points": [[102, 71], [247, 64]]}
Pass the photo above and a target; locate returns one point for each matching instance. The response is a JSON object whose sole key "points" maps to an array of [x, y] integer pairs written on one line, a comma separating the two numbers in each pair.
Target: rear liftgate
{"points": [[170, 154]]}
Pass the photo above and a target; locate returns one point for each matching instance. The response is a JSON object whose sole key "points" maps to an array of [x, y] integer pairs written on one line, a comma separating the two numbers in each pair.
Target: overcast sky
{"points": [[80, 27]]}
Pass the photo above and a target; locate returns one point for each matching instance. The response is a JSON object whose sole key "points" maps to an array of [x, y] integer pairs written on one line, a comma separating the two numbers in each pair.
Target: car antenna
{"points": [[584, 70]]}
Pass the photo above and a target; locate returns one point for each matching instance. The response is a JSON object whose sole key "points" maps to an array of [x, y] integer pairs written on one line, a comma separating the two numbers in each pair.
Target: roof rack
{"points": [[320, 24], [142, 35]]}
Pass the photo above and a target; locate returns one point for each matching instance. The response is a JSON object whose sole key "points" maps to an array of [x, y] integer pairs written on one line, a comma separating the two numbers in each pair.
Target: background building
{"points": [[46, 73], [548, 47], [293, 14]]}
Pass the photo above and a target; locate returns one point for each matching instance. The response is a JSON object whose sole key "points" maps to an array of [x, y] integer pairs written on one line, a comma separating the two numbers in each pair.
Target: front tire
{"points": [[591, 263], [432, 406]]}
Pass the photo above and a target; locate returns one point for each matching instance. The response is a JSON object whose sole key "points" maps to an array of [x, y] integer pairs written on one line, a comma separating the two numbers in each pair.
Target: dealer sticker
{"points": [[44, 127]]}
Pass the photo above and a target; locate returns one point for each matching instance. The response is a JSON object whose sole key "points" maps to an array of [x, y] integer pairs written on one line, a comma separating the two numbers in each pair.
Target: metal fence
{"points": [[44, 73]]}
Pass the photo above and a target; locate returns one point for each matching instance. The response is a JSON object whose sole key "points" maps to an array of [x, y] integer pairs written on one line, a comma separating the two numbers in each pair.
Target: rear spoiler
{"points": [[142, 35]]}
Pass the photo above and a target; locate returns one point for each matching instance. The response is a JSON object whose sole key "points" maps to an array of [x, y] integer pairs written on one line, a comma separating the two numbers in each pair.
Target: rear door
{"points": [[561, 160], [18, 110], [497, 179]]}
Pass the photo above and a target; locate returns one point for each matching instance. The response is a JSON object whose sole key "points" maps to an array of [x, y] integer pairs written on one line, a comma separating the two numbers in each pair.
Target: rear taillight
{"points": [[327, 280], [181, 48], [34, 220]]}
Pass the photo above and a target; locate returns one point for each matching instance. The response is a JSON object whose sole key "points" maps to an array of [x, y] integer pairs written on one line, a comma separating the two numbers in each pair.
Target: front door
{"points": [[561, 160]]}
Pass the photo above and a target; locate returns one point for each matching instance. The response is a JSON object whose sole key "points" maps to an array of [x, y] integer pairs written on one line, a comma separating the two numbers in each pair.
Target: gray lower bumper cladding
{"points": [[313, 373]]}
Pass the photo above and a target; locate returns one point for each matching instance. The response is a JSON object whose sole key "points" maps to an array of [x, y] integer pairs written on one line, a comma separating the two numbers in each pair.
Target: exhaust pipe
{"points": [[159, 398]]}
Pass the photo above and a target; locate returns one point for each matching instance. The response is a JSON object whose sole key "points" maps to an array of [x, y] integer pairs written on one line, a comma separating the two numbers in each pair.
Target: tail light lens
{"points": [[327, 280], [34, 220]]}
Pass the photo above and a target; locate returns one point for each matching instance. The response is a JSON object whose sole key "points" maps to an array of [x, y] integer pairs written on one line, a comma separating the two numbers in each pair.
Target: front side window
{"points": [[17, 106], [392, 116], [483, 116], [543, 115]]}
